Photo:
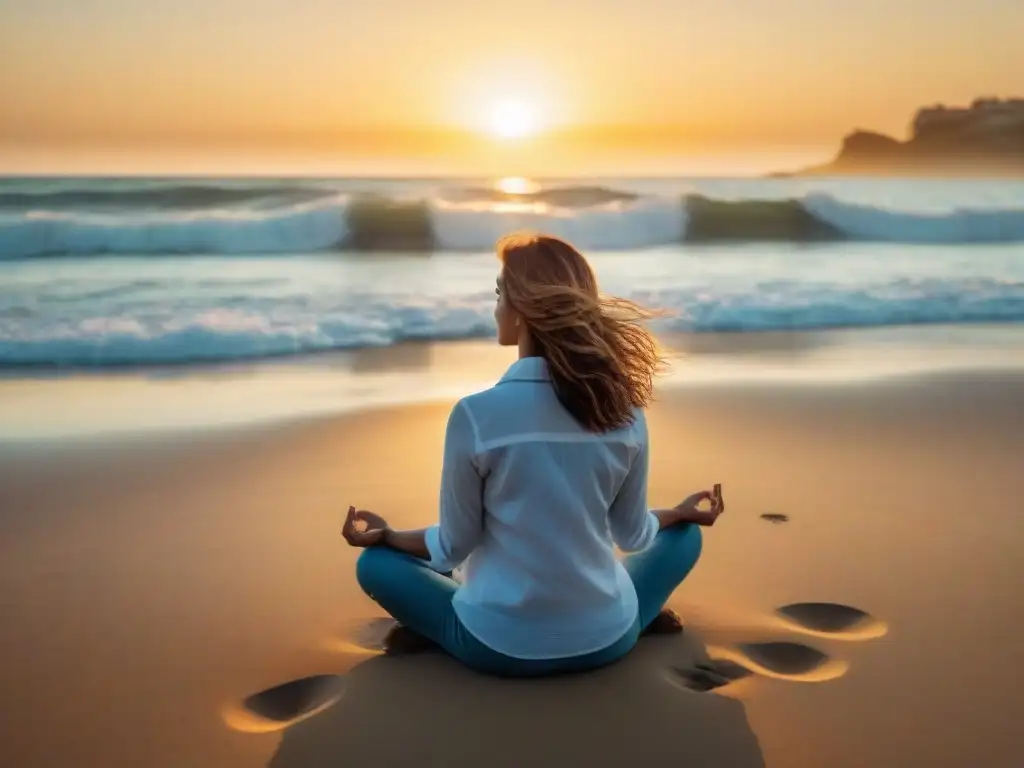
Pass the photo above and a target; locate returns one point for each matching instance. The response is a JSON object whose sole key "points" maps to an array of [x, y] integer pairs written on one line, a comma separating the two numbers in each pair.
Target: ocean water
{"points": [[122, 272]]}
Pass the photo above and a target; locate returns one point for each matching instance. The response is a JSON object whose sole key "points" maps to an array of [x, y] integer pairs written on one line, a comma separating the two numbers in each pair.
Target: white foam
{"points": [[867, 222], [166, 333], [299, 228]]}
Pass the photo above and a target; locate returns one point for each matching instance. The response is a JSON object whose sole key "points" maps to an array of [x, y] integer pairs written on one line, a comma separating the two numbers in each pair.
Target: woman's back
{"points": [[542, 580]]}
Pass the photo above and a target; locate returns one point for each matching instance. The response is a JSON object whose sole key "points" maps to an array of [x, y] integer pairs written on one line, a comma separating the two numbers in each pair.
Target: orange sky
{"points": [[275, 84]]}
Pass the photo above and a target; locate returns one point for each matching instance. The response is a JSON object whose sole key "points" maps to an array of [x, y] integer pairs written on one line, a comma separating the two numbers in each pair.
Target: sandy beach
{"points": [[149, 587], [253, 252]]}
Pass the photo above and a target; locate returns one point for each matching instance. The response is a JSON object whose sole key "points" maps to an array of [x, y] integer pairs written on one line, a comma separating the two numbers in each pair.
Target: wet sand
{"points": [[150, 588]]}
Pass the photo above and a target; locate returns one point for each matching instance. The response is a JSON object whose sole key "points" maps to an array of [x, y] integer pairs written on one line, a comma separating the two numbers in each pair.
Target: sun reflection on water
{"points": [[516, 185]]}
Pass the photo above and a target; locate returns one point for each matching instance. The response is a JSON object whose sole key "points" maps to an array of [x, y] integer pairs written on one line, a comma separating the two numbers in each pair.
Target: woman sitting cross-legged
{"points": [[543, 474]]}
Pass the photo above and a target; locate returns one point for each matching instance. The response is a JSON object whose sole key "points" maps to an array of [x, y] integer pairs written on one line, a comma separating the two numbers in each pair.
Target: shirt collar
{"points": [[528, 369]]}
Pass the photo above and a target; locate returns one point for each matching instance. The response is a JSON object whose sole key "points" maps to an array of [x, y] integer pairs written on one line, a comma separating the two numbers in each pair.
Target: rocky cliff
{"points": [[986, 138]]}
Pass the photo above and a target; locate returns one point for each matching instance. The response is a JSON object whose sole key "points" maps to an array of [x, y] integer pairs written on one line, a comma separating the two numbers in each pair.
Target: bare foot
{"points": [[665, 623], [402, 640]]}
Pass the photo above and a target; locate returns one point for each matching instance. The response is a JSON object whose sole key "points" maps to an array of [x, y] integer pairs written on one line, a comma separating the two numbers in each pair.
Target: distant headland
{"points": [[984, 139]]}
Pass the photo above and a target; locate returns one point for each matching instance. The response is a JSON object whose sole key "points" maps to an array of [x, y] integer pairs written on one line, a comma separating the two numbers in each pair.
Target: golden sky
{"points": [[94, 84]]}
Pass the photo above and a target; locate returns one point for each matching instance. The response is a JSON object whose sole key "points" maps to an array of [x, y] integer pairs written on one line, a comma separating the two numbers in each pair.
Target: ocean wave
{"points": [[713, 220], [866, 222], [647, 222], [161, 196], [576, 196], [299, 228], [595, 218], [237, 330]]}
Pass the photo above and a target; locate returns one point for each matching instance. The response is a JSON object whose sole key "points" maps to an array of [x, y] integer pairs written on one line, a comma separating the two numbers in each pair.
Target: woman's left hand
{"points": [[689, 511], [373, 530]]}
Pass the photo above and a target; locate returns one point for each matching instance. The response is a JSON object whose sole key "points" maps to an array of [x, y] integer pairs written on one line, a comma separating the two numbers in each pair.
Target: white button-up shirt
{"points": [[533, 503]]}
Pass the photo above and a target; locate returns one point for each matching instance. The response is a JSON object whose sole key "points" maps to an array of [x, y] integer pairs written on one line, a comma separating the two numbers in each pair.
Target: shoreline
{"points": [[162, 401], [409, 354]]}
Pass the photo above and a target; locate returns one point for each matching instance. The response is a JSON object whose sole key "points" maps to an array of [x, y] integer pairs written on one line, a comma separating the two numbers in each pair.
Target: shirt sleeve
{"points": [[461, 524], [633, 526]]}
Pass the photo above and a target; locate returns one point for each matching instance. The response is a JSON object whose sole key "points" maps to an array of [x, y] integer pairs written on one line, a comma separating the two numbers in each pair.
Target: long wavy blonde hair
{"points": [[601, 357]]}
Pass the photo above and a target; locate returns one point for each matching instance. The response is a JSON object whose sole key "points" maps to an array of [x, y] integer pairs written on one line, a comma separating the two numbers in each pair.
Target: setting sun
{"points": [[512, 119]]}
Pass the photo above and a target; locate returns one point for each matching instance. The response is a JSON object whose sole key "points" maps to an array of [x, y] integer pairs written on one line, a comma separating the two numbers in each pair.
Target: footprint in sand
{"points": [[712, 674], [289, 703], [794, 662], [832, 620], [385, 635], [370, 635], [284, 705], [787, 660], [775, 517]]}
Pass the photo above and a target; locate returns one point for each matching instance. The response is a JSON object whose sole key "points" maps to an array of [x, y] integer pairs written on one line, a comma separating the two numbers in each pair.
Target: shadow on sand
{"points": [[426, 709]]}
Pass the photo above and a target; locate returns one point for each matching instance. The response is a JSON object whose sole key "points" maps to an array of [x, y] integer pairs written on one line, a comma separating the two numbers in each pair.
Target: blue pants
{"points": [[421, 599]]}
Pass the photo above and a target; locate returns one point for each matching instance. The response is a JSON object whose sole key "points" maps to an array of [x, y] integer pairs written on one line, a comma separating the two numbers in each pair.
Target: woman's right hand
{"points": [[374, 528], [689, 511]]}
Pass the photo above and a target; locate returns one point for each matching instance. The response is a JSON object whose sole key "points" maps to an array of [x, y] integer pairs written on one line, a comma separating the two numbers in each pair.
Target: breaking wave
{"points": [[261, 326], [305, 219]]}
